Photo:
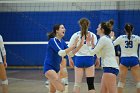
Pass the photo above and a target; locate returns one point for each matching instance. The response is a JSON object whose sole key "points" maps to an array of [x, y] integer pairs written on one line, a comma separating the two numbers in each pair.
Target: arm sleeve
{"points": [[117, 41], [98, 47], [2, 48]]}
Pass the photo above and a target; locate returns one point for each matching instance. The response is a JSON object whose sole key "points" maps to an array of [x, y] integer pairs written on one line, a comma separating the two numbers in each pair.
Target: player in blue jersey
{"points": [[3, 65], [56, 49], [84, 61], [106, 51], [129, 57]]}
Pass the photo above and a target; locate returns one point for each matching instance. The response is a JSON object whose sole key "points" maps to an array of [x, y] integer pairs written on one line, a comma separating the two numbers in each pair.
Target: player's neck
{"points": [[101, 35], [59, 38]]}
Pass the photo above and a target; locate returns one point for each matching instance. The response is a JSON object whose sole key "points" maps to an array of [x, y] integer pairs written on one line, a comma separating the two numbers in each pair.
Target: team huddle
{"points": [[89, 53]]}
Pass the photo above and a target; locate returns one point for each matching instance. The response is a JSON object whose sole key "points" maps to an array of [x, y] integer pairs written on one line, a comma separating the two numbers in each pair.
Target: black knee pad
{"points": [[90, 83]]}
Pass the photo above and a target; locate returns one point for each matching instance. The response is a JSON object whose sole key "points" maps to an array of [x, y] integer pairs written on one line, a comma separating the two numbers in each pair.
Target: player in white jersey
{"points": [[3, 65], [129, 57], [105, 50], [84, 61]]}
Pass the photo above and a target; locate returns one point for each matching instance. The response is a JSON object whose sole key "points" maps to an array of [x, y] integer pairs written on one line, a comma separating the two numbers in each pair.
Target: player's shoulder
{"points": [[104, 38], [135, 36], [91, 33], [52, 40], [122, 36], [0, 37], [76, 33]]}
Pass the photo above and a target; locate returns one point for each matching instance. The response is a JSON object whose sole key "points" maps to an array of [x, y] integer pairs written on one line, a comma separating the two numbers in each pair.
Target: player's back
{"points": [[128, 47]]}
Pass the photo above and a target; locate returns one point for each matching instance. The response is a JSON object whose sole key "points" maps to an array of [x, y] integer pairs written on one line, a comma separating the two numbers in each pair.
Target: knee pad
{"points": [[5, 82], [121, 84], [64, 81], [65, 70], [90, 83], [138, 85], [77, 85]]}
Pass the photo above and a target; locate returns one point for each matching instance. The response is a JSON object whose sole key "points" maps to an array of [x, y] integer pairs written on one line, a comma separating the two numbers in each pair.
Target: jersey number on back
{"points": [[129, 44]]}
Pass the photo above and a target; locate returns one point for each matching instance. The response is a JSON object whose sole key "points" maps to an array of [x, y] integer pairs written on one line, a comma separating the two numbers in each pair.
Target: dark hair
{"points": [[129, 28], [84, 23], [53, 33], [105, 26], [111, 21]]}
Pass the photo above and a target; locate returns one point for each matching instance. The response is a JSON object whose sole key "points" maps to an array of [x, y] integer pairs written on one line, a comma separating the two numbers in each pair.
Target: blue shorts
{"points": [[129, 61], [111, 70], [84, 61], [49, 67]]}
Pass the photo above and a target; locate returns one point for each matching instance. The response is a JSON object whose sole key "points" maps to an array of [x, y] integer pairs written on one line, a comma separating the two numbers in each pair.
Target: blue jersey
{"points": [[52, 57]]}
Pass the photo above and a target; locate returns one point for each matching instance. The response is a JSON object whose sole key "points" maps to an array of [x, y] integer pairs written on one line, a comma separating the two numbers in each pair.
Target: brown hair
{"points": [[129, 28], [111, 21], [53, 33], [84, 23], [105, 26]]}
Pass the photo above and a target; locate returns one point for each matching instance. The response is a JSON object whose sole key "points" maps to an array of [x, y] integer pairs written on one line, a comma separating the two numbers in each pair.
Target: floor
{"points": [[33, 81]]}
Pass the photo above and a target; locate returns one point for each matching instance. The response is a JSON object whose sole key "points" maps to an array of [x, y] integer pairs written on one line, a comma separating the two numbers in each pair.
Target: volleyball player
{"points": [[113, 37], [3, 65], [129, 58], [57, 49], [84, 61], [105, 50]]}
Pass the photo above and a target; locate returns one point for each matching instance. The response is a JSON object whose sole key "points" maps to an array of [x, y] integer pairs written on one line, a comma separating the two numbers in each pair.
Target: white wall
{"points": [[41, 5]]}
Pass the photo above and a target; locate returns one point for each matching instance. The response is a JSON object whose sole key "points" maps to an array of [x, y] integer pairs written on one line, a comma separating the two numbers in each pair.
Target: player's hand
{"points": [[5, 64], [97, 63]]}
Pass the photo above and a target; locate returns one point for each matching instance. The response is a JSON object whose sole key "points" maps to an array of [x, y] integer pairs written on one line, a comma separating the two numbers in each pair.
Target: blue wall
{"points": [[33, 26]]}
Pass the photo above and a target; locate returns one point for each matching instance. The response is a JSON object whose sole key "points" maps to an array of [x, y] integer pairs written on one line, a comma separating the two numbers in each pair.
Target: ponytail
{"points": [[51, 35], [84, 23], [129, 28]]}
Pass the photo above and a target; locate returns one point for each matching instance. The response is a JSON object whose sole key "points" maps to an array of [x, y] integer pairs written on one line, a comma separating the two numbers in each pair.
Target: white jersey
{"points": [[128, 48], [2, 49], [84, 50], [106, 51]]}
